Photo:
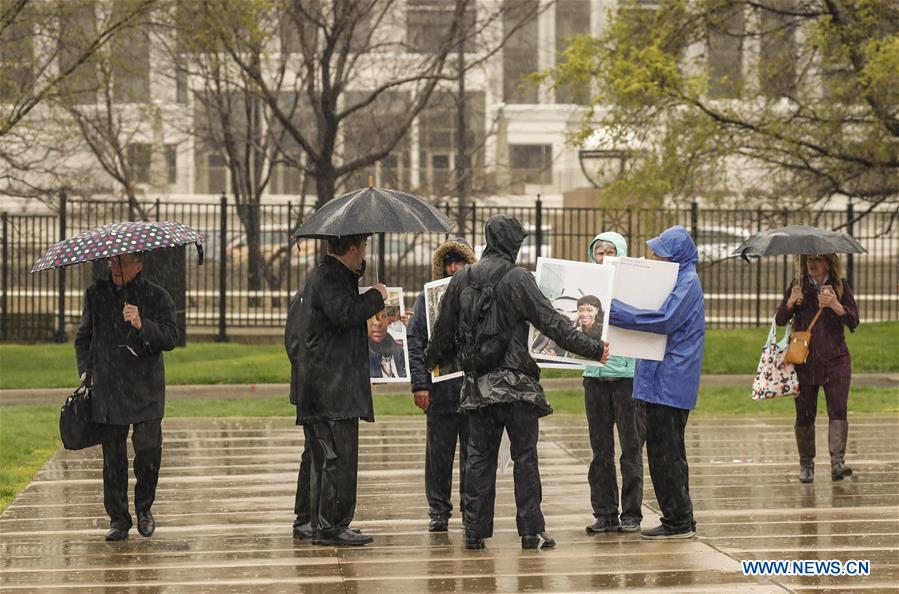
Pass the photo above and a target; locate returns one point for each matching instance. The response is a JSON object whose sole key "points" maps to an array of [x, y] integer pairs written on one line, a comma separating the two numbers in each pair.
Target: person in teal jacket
{"points": [[609, 402]]}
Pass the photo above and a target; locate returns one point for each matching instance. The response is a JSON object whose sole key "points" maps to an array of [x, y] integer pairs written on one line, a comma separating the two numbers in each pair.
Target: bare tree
{"points": [[47, 50]]}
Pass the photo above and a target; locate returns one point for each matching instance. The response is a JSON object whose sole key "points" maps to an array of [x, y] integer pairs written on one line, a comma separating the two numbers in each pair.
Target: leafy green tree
{"points": [[768, 100]]}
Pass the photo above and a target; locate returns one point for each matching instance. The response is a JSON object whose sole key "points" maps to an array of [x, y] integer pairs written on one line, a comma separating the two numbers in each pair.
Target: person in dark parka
{"points": [[333, 388], [302, 526], [507, 395], [440, 401], [126, 324]]}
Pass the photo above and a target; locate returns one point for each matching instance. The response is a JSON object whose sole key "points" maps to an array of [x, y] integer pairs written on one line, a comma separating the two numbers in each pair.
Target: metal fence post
{"points": [[786, 221], [61, 335], [289, 250], [758, 276], [3, 315], [538, 223], [850, 224], [694, 221], [223, 268], [474, 225], [157, 209]]}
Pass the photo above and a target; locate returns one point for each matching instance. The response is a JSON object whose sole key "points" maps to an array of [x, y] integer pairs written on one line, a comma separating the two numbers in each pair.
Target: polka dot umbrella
{"points": [[116, 239]]}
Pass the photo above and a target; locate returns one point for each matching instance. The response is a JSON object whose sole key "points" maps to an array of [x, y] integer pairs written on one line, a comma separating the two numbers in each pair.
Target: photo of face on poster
{"points": [[582, 293], [434, 292], [388, 355]]}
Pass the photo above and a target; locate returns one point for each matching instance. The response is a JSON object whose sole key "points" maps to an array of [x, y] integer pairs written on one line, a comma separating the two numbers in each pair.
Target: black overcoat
{"points": [[516, 377], [332, 381], [126, 387]]}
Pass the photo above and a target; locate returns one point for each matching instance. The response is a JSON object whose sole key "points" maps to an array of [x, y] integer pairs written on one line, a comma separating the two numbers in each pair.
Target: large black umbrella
{"points": [[373, 210], [799, 240]]}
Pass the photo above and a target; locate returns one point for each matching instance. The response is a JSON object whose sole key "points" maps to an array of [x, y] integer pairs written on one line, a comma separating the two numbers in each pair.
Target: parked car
{"points": [[715, 242], [528, 251], [273, 240]]}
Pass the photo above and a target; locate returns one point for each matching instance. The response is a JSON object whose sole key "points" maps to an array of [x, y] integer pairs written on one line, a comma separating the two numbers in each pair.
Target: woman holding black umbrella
{"points": [[822, 299]]}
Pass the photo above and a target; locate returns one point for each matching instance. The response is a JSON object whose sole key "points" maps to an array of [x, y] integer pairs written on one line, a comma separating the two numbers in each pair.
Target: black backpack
{"points": [[480, 343]]}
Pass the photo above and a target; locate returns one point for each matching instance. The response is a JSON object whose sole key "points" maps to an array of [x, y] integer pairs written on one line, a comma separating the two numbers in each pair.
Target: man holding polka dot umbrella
{"points": [[126, 325]]}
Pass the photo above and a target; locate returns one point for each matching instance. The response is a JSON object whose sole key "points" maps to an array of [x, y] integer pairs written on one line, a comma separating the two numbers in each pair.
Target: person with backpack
{"points": [[608, 402], [483, 323], [667, 389], [333, 389], [440, 401]]}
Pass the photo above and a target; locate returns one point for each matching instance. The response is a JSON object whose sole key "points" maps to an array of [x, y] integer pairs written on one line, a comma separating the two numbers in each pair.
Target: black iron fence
{"points": [[237, 288]]}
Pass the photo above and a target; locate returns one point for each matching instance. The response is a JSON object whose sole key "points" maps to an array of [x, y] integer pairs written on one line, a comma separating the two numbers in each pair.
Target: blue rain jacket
{"points": [[673, 381]]}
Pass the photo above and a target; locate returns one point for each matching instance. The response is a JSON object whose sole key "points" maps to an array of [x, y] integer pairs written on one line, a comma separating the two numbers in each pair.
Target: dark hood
{"points": [[504, 237], [675, 244]]}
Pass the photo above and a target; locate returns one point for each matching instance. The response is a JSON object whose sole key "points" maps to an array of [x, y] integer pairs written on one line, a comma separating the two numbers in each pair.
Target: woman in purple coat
{"points": [[829, 365]]}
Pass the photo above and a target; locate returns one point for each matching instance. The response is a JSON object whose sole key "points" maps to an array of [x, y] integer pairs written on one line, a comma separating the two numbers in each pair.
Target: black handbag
{"points": [[76, 428]]}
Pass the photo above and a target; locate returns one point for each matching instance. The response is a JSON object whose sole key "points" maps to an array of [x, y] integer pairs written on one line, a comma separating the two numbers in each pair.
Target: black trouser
{"points": [[301, 506], [521, 422], [147, 441], [440, 452], [334, 468], [836, 394], [610, 402], [668, 468]]}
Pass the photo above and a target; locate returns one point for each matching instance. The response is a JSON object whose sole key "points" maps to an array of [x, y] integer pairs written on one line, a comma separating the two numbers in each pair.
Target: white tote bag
{"points": [[774, 377]]}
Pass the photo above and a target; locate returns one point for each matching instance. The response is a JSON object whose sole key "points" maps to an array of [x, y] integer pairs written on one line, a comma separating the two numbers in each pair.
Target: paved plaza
{"points": [[225, 499]]}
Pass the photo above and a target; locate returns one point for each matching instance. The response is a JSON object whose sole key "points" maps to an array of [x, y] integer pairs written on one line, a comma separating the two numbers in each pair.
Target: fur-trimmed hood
{"points": [[458, 245]]}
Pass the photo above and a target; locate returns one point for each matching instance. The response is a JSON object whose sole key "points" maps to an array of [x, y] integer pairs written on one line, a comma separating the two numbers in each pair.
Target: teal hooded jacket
{"points": [[617, 366]]}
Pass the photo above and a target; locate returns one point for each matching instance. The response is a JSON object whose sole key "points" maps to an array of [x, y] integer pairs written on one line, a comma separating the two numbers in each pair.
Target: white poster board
{"points": [[388, 348], [644, 284], [434, 292], [581, 292]]}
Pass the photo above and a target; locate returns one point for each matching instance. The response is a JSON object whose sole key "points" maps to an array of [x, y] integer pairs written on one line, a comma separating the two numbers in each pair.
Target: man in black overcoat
{"points": [[333, 389], [126, 324]]}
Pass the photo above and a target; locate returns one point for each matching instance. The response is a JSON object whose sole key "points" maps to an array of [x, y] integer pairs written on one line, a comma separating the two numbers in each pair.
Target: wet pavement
{"points": [[225, 499]]}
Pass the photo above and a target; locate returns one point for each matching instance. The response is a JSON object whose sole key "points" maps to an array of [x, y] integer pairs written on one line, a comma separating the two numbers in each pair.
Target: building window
{"points": [[216, 174], [778, 55], [139, 157], [531, 164], [520, 50], [572, 18], [171, 164], [75, 40], [438, 144], [130, 60], [428, 24], [16, 57], [725, 52]]}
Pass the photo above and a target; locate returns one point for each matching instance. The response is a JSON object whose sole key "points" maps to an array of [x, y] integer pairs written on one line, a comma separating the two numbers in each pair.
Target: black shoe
{"points": [[629, 525], [838, 473], [146, 525], [345, 538], [665, 533], [116, 534], [604, 525], [303, 531], [473, 543], [532, 541], [438, 526]]}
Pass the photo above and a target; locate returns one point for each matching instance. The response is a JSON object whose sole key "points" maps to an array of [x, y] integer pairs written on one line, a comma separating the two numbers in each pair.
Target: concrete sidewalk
{"points": [[242, 391]]}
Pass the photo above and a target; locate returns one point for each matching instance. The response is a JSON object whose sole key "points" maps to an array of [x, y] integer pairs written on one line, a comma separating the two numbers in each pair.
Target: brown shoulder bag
{"points": [[797, 352]]}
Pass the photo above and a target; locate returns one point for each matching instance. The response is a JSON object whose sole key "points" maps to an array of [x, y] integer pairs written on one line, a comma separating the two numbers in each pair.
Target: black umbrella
{"points": [[799, 240], [373, 210]]}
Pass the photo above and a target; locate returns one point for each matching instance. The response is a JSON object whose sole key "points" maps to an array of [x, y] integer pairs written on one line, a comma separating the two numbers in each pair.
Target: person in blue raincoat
{"points": [[667, 389]]}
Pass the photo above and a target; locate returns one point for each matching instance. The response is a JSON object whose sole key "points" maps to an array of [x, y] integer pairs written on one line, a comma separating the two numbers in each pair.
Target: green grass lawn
{"points": [[874, 347], [29, 434]]}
